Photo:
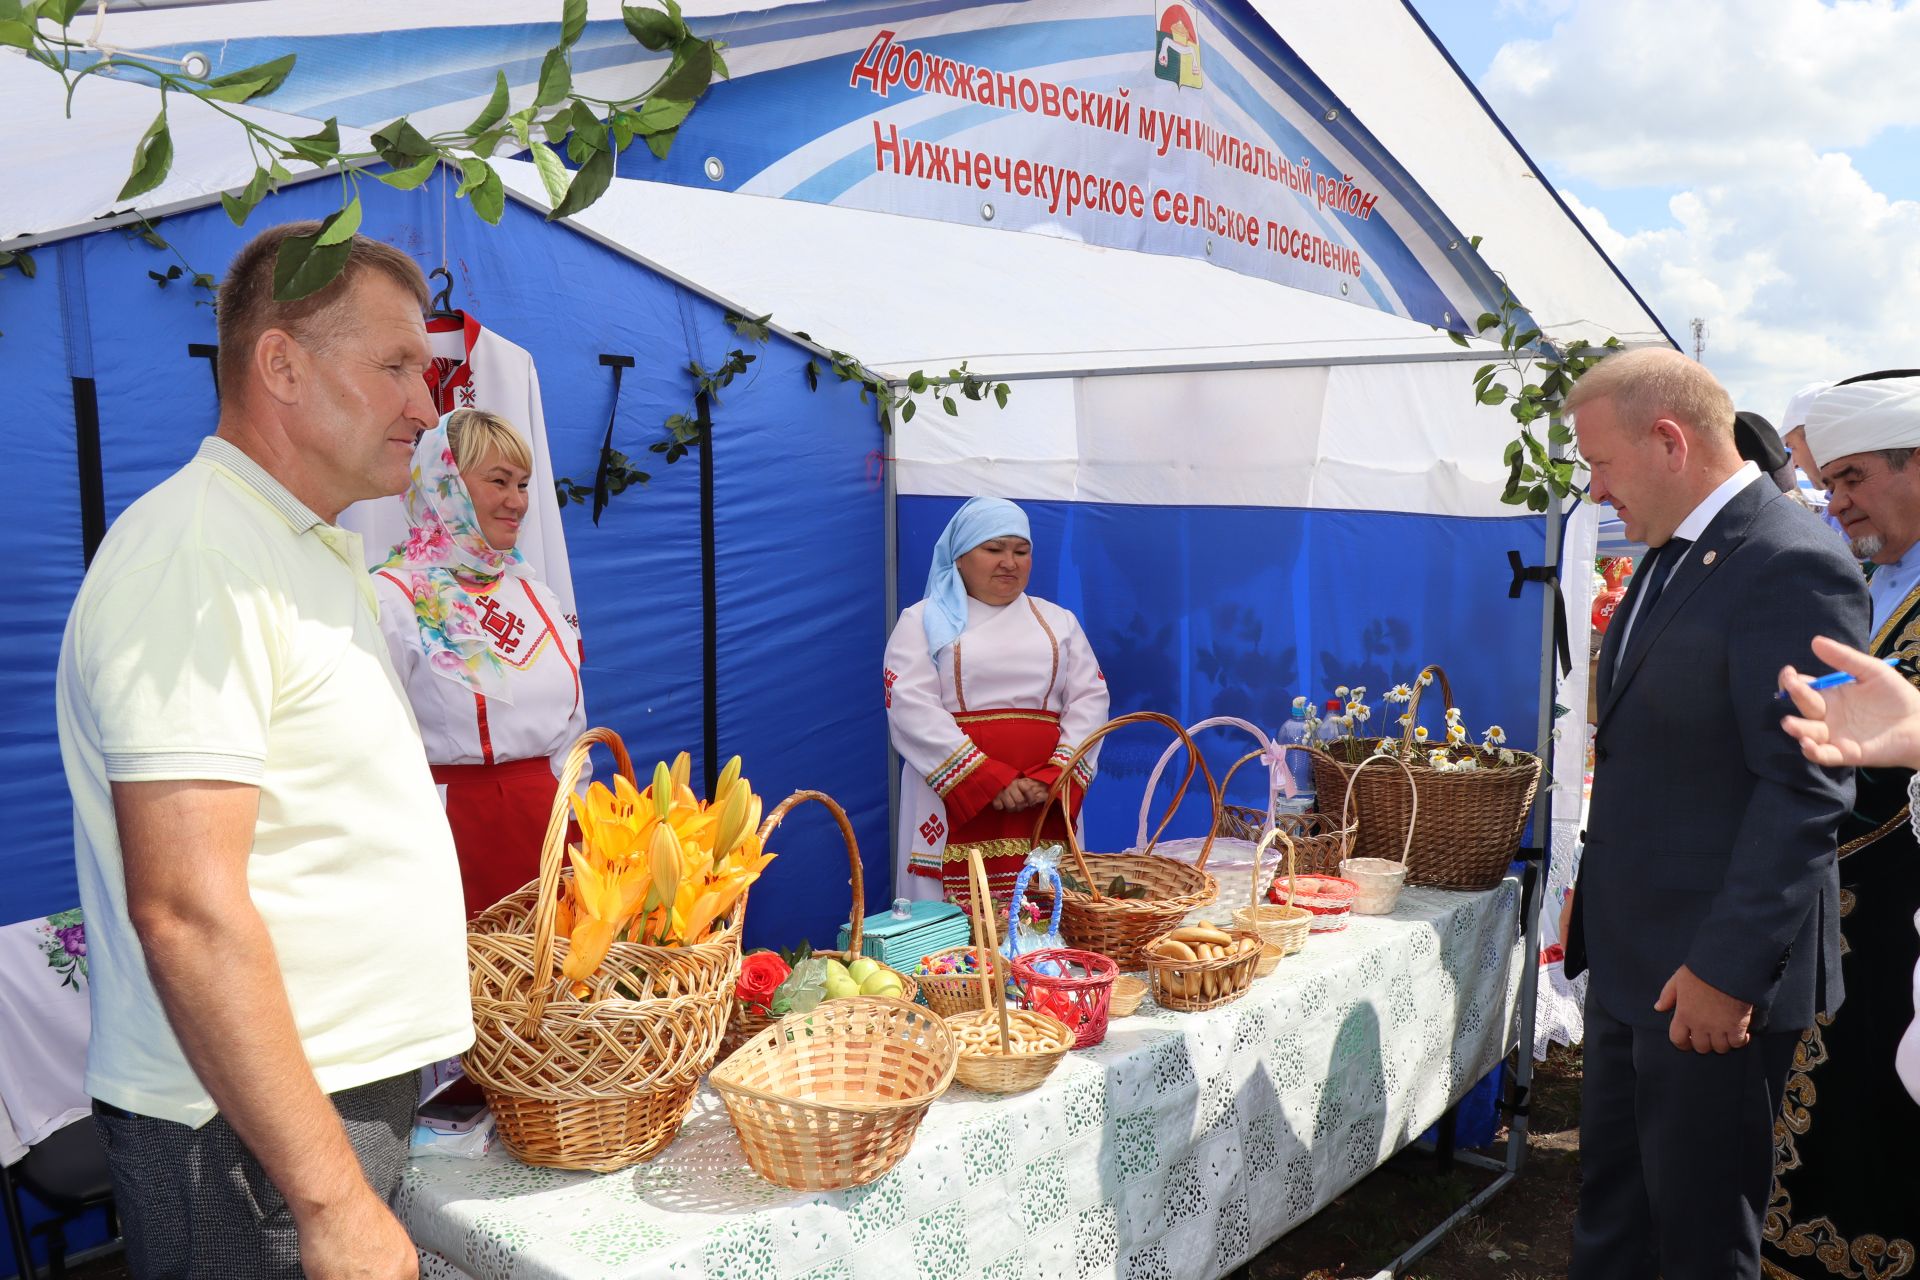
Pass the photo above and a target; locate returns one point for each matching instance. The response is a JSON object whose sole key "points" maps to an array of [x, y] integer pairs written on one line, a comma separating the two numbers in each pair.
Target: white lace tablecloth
{"points": [[1179, 1147]]}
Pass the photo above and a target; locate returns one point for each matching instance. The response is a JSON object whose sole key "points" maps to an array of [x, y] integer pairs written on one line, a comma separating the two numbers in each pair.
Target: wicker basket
{"points": [[602, 1082], [1270, 957], [1129, 990], [1117, 927], [1329, 898], [1471, 822], [988, 1057], [1380, 879], [1190, 986], [1284, 924], [1086, 984], [1320, 841], [748, 1021], [948, 994], [831, 1099]]}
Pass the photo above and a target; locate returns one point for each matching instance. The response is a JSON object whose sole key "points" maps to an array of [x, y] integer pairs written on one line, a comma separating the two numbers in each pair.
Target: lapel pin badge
{"points": [[1710, 557]]}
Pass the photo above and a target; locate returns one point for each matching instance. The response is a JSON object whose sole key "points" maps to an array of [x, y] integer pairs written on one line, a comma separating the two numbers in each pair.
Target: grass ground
{"points": [[1523, 1234]]}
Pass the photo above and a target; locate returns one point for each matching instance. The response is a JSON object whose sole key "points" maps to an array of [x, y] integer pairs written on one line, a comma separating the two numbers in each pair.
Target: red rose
{"points": [[760, 976]]}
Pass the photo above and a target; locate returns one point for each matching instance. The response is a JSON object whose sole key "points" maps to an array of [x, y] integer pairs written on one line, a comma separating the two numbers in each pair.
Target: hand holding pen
{"points": [[1866, 713]]}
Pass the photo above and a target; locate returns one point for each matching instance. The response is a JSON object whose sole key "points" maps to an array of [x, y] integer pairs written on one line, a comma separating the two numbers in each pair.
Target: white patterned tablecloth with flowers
{"points": [[1179, 1147]]}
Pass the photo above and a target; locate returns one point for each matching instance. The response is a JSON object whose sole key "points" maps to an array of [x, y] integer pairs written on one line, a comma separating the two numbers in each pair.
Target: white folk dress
{"points": [[1012, 698]]}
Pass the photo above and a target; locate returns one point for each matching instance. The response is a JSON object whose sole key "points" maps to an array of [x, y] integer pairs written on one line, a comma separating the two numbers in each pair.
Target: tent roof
{"points": [[66, 172], [908, 293]]}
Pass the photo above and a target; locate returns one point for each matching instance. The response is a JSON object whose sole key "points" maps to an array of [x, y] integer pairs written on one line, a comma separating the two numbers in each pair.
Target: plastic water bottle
{"points": [[1329, 731], [1294, 734]]}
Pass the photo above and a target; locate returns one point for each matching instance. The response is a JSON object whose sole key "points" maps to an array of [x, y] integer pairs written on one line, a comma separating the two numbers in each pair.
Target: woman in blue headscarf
{"points": [[989, 691]]}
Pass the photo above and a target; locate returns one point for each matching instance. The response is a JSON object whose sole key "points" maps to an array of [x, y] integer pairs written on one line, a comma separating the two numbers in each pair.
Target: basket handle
{"points": [[781, 810], [1413, 704], [1413, 790], [553, 854], [1260, 851], [1056, 795], [993, 988], [1153, 779]]}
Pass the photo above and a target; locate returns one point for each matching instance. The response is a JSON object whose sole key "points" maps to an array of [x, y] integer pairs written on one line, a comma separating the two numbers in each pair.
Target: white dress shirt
{"points": [[1696, 524]]}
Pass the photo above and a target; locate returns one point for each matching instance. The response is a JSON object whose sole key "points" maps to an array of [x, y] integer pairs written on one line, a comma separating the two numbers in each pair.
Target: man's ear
{"points": [[1671, 437], [280, 363]]}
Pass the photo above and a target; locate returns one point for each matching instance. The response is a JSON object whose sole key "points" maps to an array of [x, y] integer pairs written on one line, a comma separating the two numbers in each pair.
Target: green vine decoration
{"points": [[593, 130], [1538, 475]]}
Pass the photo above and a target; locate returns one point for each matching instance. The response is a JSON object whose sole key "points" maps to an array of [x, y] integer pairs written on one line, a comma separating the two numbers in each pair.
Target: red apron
{"points": [[499, 814], [1023, 739]]}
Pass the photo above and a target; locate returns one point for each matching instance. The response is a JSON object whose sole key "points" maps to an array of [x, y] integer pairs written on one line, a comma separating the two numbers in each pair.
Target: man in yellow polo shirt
{"points": [[274, 915]]}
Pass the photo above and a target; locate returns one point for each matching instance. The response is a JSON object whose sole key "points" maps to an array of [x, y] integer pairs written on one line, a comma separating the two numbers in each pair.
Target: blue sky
{"points": [[1755, 163]]}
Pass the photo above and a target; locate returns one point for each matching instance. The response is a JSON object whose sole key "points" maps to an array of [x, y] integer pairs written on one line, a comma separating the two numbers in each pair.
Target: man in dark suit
{"points": [[1707, 905]]}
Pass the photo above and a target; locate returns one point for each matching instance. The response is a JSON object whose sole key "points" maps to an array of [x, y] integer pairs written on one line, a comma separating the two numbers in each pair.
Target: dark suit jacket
{"points": [[1710, 840]]}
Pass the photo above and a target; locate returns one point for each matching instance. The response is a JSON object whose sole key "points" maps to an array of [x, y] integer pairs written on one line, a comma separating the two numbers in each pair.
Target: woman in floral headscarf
{"points": [[489, 660]]}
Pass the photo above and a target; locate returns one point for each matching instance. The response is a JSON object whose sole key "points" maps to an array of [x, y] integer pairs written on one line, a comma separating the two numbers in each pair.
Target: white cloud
{"points": [[1800, 269], [1653, 92]]}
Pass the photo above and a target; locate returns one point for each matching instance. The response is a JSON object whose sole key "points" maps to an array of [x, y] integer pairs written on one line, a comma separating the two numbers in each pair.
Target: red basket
{"points": [[1078, 997], [1330, 898]]}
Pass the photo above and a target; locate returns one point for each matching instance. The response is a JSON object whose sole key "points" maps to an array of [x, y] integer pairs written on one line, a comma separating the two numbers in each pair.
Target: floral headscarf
{"points": [[446, 556]]}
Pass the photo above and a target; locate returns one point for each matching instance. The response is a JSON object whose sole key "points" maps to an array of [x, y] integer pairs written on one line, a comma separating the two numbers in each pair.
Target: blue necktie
{"points": [[1657, 570]]}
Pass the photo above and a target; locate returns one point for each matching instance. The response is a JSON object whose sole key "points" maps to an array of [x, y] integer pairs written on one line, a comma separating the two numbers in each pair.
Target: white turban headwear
{"points": [[1796, 414], [1860, 417]]}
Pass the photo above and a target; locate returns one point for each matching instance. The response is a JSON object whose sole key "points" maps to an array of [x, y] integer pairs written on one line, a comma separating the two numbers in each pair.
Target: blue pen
{"points": [[1835, 680]]}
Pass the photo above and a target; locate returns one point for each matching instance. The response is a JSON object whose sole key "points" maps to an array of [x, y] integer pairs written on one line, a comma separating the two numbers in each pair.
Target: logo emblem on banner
{"points": [[1176, 50]]}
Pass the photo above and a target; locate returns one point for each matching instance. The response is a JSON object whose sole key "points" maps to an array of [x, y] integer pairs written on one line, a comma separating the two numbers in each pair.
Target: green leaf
{"points": [[304, 266], [1493, 395], [953, 410], [1537, 498], [1000, 393], [409, 178], [340, 226], [319, 148], [556, 79], [1457, 339], [400, 144], [573, 20], [238, 207], [473, 172], [720, 63], [278, 173], [586, 122], [658, 115], [578, 148], [813, 375], [496, 108], [152, 157], [1558, 434], [1512, 453], [661, 143], [258, 81], [489, 199], [24, 261], [652, 28], [522, 123], [557, 127], [1526, 339], [16, 33], [61, 11], [552, 173], [690, 72], [916, 382], [589, 184], [622, 122], [906, 411], [1473, 242], [1486, 321]]}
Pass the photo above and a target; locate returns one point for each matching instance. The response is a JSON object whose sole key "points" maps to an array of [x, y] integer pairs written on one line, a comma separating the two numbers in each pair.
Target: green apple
{"points": [[862, 969], [881, 982]]}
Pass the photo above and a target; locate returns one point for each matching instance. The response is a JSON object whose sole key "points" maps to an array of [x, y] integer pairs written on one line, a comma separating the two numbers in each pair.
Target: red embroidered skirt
{"points": [[499, 814], [1023, 741]]}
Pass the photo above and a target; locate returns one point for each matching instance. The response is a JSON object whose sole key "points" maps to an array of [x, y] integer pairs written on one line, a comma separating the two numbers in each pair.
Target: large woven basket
{"points": [[749, 1020], [1001, 1050], [950, 993], [832, 1098], [1118, 927], [1470, 823], [604, 1081], [1379, 880]]}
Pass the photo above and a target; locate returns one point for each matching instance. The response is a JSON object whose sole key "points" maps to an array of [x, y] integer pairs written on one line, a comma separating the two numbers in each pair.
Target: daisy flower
{"points": [[1496, 735], [1456, 735], [1341, 692], [1420, 734], [1399, 693]]}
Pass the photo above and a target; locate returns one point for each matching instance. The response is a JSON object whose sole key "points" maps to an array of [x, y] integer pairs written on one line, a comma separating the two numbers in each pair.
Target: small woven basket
{"points": [[991, 1056], [831, 1099], [1285, 925], [748, 1020], [1085, 984], [1128, 991], [1471, 821], [604, 1081], [1117, 927], [1193, 986], [948, 994], [1329, 898], [1270, 957], [1380, 879]]}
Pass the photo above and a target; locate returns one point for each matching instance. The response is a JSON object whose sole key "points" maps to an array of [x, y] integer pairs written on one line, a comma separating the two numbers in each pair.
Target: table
{"points": [[1179, 1147]]}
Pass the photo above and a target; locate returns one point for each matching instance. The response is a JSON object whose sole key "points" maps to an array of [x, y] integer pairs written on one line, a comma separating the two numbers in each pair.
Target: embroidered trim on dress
{"points": [[956, 768], [1053, 644]]}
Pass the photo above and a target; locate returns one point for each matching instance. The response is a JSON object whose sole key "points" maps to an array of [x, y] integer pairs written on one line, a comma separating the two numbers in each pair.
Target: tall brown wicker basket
{"points": [[602, 1082], [1119, 927], [1470, 822]]}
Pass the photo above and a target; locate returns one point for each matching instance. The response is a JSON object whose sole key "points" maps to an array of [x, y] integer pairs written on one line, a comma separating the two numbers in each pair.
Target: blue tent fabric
{"points": [[1204, 611], [798, 517]]}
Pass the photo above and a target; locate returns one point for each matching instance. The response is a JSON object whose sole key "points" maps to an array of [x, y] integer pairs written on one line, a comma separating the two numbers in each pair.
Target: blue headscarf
{"points": [[978, 520]]}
